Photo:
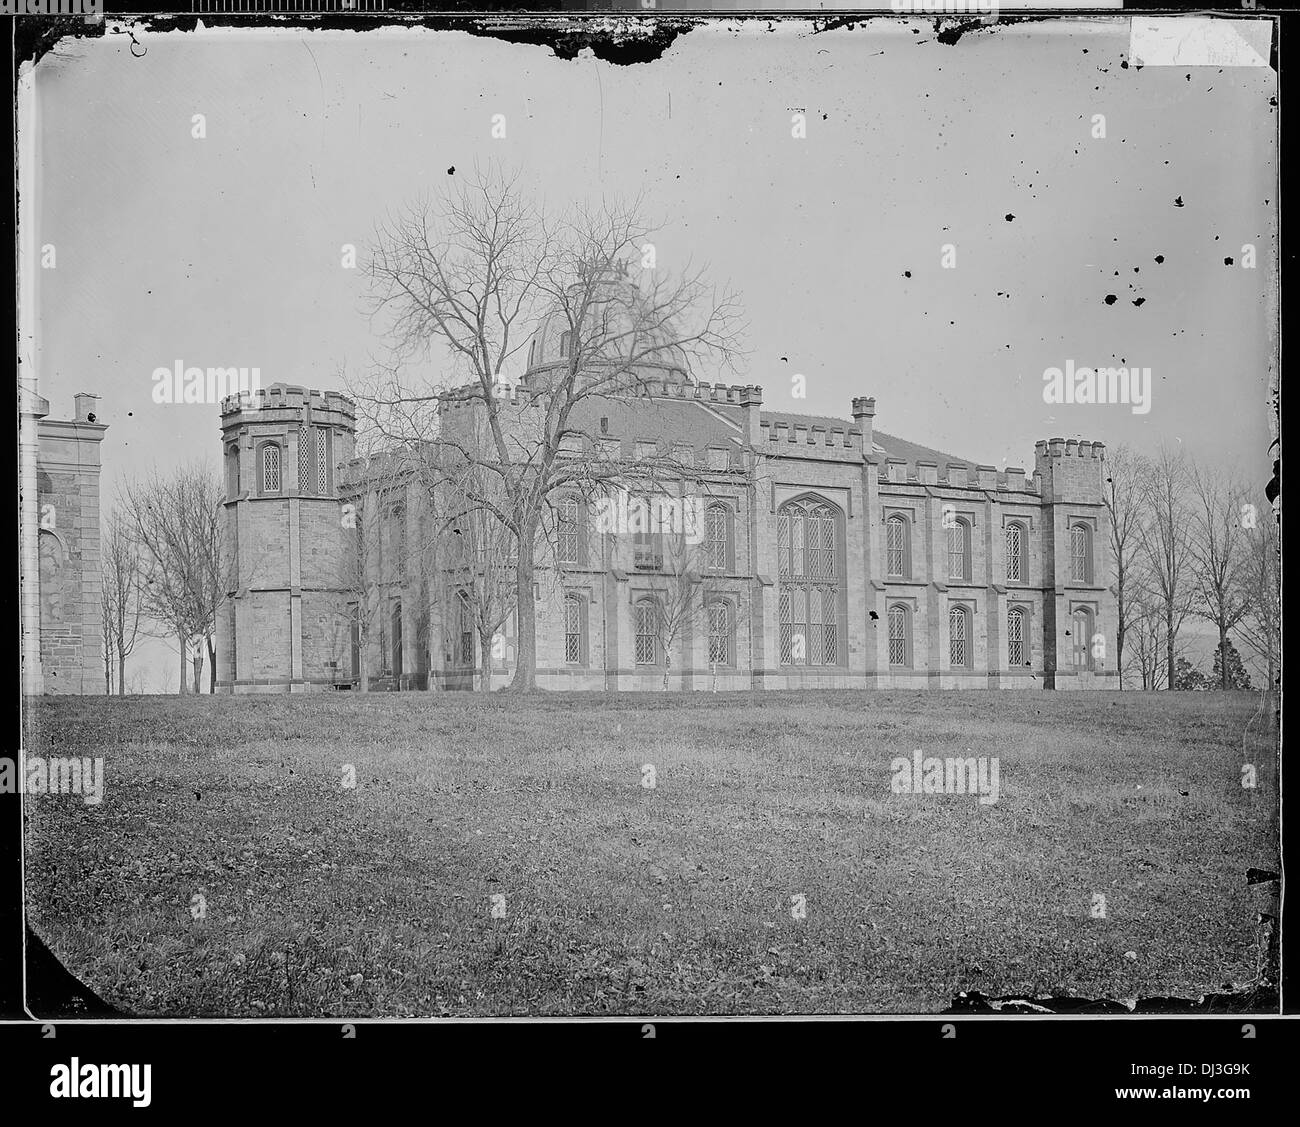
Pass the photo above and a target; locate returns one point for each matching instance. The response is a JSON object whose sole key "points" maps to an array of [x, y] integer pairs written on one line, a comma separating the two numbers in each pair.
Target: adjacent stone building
{"points": [[61, 593]]}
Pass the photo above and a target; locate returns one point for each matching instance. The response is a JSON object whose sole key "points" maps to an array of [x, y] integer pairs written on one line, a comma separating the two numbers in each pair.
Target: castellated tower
{"points": [[284, 624], [1080, 613]]}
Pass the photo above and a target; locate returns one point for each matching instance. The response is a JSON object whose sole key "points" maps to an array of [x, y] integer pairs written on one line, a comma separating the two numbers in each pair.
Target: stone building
{"points": [[61, 594], [792, 551], [283, 625]]}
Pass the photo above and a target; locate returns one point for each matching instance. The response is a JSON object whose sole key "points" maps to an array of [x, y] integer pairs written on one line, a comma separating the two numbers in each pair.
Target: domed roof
{"points": [[622, 302]]}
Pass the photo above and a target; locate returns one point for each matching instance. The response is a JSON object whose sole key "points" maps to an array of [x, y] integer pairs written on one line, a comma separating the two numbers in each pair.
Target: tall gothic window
{"points": [[809, 572], [465, 626], [305, 475], [900, 636], [958, 637], [270, 468], [896, 548], [647, 631], [569, 530], [720, 634], [232, 471], [322, 461], [396, 635], [715, 537], [575, 630], [1080, 553], [1015, 553], [1015, 637], [959, 549]]}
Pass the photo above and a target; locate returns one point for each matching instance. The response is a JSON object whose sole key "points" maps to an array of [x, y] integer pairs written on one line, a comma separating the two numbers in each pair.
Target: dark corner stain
{"points": [[1008, 217], [1178, 202], [34, 39], [54, 993], [1160, 259], [1111, 299], [451, 171], [1139, 302]]}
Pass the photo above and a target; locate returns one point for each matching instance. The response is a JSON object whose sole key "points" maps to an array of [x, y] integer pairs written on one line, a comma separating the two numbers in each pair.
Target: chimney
{"points": [[896, 469], [1016, 479], [927, 473], [864, 413], [988, 476], [87, 407], [956, 473], [751, 399]]}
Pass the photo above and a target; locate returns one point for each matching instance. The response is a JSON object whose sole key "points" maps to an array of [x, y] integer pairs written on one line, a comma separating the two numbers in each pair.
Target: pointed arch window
{"points": [[648, 620], [571, 545], [717, 538], [721, 641], [1016, 539], [900, 635], [465, 631], [1015, 637], [810, 570], [575, 630], [1080, 553], [959, 549], [1081, 638], [898, 563], [232, 471], [270, 468], [959, 637]]}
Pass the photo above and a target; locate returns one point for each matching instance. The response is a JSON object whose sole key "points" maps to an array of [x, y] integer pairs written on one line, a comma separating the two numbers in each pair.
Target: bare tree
{"points": [[1261, 626], [1218, 553], [1148, 649], [472, 271], [483, 557], [1123, 498], [176, 522], [106, 629], [1165, 537], [123, 606]]}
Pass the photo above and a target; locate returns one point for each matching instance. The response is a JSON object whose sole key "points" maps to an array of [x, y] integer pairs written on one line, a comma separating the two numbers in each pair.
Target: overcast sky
{"points": [[226, 250]]}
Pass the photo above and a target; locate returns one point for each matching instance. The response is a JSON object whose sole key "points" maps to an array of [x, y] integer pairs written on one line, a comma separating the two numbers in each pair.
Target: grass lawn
{"points": [[378, 899]]}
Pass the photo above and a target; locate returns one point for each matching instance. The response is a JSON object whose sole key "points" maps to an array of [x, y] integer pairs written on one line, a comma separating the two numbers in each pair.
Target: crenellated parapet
{"points": [[956, 475]]}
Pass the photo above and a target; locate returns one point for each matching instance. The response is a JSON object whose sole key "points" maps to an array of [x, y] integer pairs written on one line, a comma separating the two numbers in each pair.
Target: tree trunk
{"points": [[1119, 631], [212, 667], [1223, 658], [1169, 650], [363, 675], [197, 662], [121, 674], [185, 645], [485, 664], [525, 679]]}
